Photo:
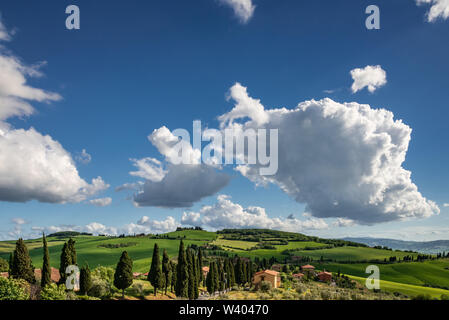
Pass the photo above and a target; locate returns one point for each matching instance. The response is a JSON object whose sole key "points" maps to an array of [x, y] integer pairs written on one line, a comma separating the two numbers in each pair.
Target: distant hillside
{"points": [[417, 246]]}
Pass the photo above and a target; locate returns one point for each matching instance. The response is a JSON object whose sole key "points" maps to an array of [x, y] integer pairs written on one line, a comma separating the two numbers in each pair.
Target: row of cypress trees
{"points": [[21, 265]]}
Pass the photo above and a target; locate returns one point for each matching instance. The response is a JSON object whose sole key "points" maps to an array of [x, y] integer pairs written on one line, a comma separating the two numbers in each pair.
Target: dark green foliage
{"points": [[210, 283], [166, 270], [11, 262], [22, 266], [123, 276], [192, 276], [240, 277], [200, 267], [221, 276], [85, 280], [173, 275], [65, 261], [182, 276], [4, 265], [72, 250], [46, 270], [155, 275]]}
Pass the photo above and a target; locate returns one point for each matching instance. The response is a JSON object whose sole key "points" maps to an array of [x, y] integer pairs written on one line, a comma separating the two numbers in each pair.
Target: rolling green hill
{"points": [[410, 278]]}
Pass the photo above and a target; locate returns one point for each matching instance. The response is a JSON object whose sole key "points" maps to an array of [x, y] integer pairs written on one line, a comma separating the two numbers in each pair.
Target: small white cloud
{"points": [[243, 9], [371, 77], [446, 205], [83, 157], [103, 202], [342, 222], [4, 34], [438, 9], [19, 221]]}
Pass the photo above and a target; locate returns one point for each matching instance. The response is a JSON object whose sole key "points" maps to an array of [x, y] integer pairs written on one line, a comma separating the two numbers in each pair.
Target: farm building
{"points": [[298, 276], [136, 275], [325, 276], [4, 274], [270, 276], [308, 267], [54, 274]]}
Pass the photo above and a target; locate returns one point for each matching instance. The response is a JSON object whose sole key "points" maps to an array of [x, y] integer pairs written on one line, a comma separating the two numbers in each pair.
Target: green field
{"points": [[234, 244], [410, 278], [429, 273], [352, 254], [90, 250], [406, 289]]}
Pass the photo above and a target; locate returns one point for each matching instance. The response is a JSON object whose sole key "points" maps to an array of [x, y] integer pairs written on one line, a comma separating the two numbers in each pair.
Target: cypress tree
{"points": [[65, 261], [166, 270], [238, 272], [155, 274], [200, 267], [46, 271], [85, 280], [244, 273], [22, 267], [11, 262], [192, 276], [216, 278], [123, 276], [182, 276], [209, 279], [173, 275], [72, 250], [221, 277]]}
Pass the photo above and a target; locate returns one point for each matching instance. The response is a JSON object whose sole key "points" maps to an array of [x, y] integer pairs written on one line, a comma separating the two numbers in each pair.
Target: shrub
{"points": [[53, 292], [265, 286], [325, 295], [11, 289], [103, 273], [137, 290], [4, 265], [100, 289], [444, 297], [87, 298], [422, 297]]}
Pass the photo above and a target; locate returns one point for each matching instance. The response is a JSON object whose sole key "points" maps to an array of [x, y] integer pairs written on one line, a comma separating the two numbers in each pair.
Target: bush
{"points": [[137, 290], [4, 265], [11, 289], [422, 297], [265, 286], [103, 273], [100, 289], [444, 297], [53, 292], [87, 298]]}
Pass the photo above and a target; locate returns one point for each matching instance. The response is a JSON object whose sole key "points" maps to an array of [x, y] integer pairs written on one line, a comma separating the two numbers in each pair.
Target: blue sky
{"points": [[138, 66]]}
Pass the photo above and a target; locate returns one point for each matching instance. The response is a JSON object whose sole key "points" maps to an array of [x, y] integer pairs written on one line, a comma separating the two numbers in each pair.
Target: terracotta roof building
{"points": [[270, 276], [54, 274], [325, 276]]}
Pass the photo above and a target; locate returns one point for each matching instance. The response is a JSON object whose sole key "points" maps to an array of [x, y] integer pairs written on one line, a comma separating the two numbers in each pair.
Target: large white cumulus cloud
{"points": [[33, 166], [227, 214], [178, 185], [243, 9], [344, 160], [438, 9], [36, 167]]}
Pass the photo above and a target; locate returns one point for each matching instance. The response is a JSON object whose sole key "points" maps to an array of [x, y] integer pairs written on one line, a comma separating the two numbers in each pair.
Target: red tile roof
{"points": [[54, 274], [205, 269], [298, 275], [272, 272], [4, 274], [308, 266]]}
